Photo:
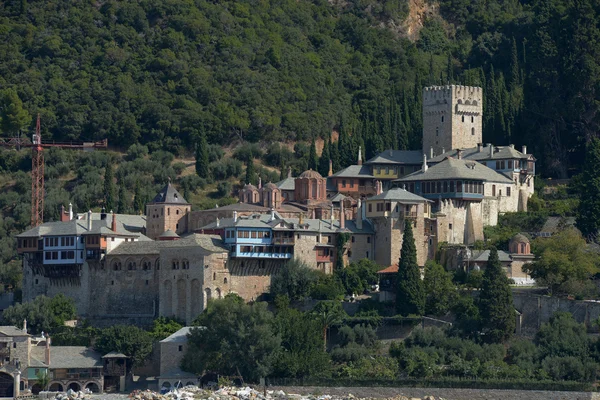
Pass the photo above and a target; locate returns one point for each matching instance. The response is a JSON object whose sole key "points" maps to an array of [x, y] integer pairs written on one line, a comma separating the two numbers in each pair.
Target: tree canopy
{"points": [[410, 293], [42, 313]]}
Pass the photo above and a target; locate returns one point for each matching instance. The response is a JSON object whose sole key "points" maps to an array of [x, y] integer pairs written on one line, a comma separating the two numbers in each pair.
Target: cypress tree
{"points": [[496, 302], [325, 157], [313, 160], [122, 207], [109, 188], [202, 161], [450, 70], [410, 292], [345, 148], [514, 66], [138, 199], [588, 215], [335, 155], [431, 70], [250, 173]]}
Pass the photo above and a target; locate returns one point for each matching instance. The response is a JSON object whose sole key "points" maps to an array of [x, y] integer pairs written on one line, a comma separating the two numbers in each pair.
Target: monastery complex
{"points": [[172, 260]]}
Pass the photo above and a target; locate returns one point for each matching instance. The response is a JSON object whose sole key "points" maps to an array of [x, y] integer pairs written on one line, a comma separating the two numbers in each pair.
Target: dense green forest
{"points": [[162, 72]]}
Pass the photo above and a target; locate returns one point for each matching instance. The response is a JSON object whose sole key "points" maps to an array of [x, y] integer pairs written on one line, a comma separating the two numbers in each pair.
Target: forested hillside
{"points": [[160, 72]]}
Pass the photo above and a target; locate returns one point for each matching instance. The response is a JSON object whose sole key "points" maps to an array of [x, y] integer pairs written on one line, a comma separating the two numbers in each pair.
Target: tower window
{"points": [[437, 132], [463, 118], [472, 131], [472, 119], [442, 118]]}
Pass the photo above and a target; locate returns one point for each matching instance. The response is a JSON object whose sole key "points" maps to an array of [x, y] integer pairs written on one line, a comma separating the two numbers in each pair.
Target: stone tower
{"points": [[452, 118], [168, 210]]}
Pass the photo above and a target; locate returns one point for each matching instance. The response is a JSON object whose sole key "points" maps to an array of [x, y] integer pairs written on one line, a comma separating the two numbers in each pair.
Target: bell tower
{"points": [[452, 118]]}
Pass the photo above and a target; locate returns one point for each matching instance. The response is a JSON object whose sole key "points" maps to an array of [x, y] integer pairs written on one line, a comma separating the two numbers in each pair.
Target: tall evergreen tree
{"points": [[431, 71], [122, 205], [514, 66], [588, 216], [335, 155], [325, 157], [109, 188], [250, 172], [450, 70], [138, 199], [202, 161], [410, 292], [313, 160], [345, 147], [495, 302]]}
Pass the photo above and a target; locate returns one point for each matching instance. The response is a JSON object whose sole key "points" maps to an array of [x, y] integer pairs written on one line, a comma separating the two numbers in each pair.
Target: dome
{"points": [[520, 238], [250, 186], [310, 174], [271, 186]]}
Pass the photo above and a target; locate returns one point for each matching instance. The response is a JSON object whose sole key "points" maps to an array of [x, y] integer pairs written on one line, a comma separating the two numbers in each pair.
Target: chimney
{"points": [[479, 147], [113, 226], [524, 151], [89, 220], [259, 182], [379, 187], [320, 233], [301, 219], [342, 216], [330, 172], [70, 211], [459, 153], [47, 360], [235, 216], [332, 218], [63, 215], [359, 156], [272, 214], [443, 150], [512, 146], [431, 152], [289, 172], [25, 325], [491, 148], [359, 220], [103, 214], [424, 168], [218, 222]]}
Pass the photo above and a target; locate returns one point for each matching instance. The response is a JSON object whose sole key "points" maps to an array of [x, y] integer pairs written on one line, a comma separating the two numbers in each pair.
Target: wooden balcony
{"points": [[283, 240]]}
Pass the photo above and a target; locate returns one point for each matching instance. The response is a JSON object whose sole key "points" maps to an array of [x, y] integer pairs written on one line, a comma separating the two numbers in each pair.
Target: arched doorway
{"points": [[56, 387], [36, 389], [7, 385], [74, 386], [93, 387]]}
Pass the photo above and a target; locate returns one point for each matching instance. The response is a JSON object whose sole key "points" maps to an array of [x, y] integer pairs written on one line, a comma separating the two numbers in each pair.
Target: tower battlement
{"points": [[452, 117]]}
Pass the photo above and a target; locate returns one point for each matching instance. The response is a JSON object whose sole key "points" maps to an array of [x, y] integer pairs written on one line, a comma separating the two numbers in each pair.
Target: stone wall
{"points": [[359, 246], [536, 310], [304, 248], [389, 233]]}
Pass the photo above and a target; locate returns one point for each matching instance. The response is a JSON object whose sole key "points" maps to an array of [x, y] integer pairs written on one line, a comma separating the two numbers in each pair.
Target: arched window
{"points": [[175, 264], [157, 264], [442, 118], [463, 118], [214, 276], [472, 119], [168, 211], [225, 280], [177, 212], [131, 265], [472, 131]]}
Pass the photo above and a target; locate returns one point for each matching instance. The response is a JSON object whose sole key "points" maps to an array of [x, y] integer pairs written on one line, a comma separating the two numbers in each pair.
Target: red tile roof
{"points": [[389, 270]]}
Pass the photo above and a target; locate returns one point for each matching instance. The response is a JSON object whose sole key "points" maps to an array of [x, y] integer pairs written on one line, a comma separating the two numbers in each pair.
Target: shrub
{"points": [[248, 151], [224, 189], [215, 153], [178, 167], [351, 352], [136, 151]]}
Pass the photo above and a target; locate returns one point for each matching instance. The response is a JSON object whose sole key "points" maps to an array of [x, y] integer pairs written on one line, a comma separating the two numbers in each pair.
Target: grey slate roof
{"points": [[473, 153], [168, 234], [287, 184], [452, 168], [169, 195], [127, 225], [354, 171], [556, 224], [69, 356], [337, 198], [397, 157], [9, 330], [484, 255], [399, 194], [309, 225], [210, 243], [114, 354], [178, 337]]}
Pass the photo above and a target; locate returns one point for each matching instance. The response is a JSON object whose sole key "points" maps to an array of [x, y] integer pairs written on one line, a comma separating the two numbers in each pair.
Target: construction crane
{"points": [[37, 164]]}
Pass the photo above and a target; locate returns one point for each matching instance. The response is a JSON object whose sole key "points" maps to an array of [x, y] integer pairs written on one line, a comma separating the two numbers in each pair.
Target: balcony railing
{"points": [[283, 240], [262, 255], [408, 214]]}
